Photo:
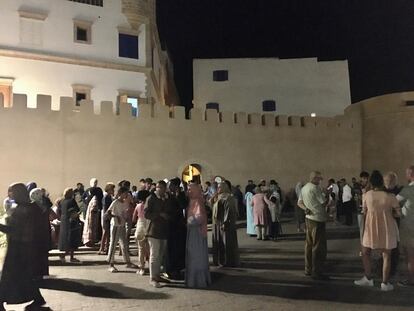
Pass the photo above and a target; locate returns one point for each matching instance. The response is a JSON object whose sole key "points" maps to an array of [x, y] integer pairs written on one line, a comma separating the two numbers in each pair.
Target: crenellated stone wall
{"points": [[59, 148]]}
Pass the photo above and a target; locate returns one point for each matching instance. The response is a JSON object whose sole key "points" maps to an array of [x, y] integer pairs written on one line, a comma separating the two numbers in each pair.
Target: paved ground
{"points": [[270, 278]]}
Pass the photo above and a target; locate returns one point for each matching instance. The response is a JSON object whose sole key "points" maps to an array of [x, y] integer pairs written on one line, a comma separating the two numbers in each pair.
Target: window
{"points": [[128, 45], [82, 31], [90, 2], [215, 106], [80, 96], [133, 101], [269, 105], [220, 75], [31, 28], [81, 92], [409, 103], [131, 98]]}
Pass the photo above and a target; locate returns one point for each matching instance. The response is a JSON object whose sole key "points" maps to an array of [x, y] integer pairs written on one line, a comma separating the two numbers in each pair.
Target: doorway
{"points": [[192, 173]]}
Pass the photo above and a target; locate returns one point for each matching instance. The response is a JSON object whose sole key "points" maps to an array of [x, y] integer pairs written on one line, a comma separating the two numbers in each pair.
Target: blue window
{"points": [[220, 75], [269, 105], [215, 106], [128, 46]]}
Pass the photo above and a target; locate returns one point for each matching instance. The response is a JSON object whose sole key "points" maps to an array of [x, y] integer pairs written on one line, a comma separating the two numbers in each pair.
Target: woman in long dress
{"points": [[225, 244], [249, 210], [261, 214], [41, 260], [18, 284], [90, 229], [197, 267], [70, 226], [380, 231]]}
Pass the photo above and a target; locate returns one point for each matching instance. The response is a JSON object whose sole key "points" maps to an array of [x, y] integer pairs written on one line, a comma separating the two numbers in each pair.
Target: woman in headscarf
{"points": [[261, 213], [70, 227], [90, 229], [197, 273], [18, 284], [41, 259], [225, 245], [249, 210]]}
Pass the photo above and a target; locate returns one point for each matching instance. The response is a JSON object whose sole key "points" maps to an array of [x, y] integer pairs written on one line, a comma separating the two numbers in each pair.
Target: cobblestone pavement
{"points": [[270, 278]]}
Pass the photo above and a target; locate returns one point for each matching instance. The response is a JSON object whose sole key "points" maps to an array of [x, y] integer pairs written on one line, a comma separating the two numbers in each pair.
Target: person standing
{"points": [[347, 202], [118, 213], [406, 199], [96, 191], [70, 228], [43, 232], [156, 211], [313, 202], [225, 244], [141, 230], [197, 273], [333, 191], [381, 231], [106, 221], [299, 212], [391, 186], [18, 284], [177, 201], [261, 213], [248, 197], [358, 194]]}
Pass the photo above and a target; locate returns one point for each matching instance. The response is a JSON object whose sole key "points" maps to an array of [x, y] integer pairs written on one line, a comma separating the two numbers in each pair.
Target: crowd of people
{"points": [[385, 213], [168, 221]]}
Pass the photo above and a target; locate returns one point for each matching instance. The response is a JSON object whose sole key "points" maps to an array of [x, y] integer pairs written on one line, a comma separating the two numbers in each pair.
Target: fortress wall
{"points": [[59, 148], [388, 133]]}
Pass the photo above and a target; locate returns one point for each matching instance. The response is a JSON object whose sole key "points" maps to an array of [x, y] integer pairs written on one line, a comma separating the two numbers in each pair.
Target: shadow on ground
{"points": [[338, 291], [100, 290]]}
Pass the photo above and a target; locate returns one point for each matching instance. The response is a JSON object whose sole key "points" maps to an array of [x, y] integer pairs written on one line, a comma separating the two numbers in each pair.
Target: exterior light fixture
{"points": [[313, 115]]}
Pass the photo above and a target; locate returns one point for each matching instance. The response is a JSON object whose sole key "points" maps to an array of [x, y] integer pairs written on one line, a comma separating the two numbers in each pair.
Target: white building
{"points": [[283, 86], [99, 50]]}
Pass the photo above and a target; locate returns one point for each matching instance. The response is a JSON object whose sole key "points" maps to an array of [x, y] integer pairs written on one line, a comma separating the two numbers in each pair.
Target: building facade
{"points": [[98, 50], [283, 86]]}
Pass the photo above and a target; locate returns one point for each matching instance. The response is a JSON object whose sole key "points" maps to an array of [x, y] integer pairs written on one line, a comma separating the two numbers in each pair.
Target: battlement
{"points": [[107, 109]]}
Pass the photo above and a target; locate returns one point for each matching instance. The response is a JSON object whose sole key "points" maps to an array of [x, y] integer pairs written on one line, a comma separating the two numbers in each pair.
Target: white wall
{"points": [[34, 77], [299, 86], [58, 37]]}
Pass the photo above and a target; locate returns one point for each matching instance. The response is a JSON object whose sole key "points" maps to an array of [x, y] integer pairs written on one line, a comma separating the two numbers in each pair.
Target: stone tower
{"points": [[139, 12]]}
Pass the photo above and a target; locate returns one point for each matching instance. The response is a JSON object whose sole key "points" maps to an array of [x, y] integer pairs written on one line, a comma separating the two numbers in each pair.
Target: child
{"points": [[141, 230]]}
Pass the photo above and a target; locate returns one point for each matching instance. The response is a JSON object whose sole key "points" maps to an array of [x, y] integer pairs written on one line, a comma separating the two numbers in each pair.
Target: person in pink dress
{"points": [[380, 230], [261, 213]]}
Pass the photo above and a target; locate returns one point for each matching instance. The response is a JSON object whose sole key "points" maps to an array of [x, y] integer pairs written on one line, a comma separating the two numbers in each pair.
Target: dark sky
{"points": [[377, 37]]}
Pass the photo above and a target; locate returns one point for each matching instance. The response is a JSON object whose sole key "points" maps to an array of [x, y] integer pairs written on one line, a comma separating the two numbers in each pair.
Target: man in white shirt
{"points": [[313, 201], [406, 199], [347, 202]]}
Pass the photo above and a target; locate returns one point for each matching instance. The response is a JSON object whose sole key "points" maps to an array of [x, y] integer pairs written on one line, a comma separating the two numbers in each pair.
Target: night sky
{"points": [[377, 37]]}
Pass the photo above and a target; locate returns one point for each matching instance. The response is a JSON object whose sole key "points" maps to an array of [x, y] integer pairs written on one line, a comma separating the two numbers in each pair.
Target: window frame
{"points": [[217, 75], [87, 25], [81, 89], [128, 32]]}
